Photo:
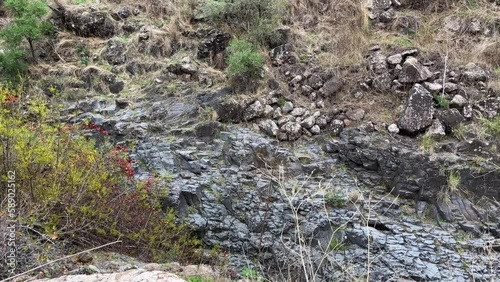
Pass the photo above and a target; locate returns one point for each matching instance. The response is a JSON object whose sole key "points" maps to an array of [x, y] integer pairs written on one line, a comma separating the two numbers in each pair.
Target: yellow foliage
{"points": [[74, 190]]}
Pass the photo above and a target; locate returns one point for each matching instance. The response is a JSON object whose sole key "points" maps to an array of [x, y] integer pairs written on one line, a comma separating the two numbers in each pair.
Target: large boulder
{"points": [[413, 71], [418, 112], [450, 119], [89, 23], [214, 42], [231, 109]]}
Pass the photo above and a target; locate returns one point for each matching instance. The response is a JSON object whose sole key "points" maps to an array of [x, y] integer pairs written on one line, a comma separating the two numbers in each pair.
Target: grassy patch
{"points": [[442, 102], [453, 181], [428, 144], [492, 126]]}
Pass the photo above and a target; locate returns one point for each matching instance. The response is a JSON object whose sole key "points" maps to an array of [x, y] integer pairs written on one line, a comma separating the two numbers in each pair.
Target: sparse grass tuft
{"points": [[442, 102], [492, 126], [453, 181], [428, 144]]}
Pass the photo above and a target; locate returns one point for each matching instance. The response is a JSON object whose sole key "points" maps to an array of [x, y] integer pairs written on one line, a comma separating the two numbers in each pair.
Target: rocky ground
{"points": [[317, 174]]}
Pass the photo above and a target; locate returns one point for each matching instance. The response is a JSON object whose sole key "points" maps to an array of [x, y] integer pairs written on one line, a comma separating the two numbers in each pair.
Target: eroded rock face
{"points": [[418, 112], [89, 23], [213, 43], [412, 173], [115, 53]]}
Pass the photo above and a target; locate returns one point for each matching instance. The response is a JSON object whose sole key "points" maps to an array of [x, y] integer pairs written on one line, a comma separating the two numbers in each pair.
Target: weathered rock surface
{"points": [[88, 23], [418, 112], [413, 71]]}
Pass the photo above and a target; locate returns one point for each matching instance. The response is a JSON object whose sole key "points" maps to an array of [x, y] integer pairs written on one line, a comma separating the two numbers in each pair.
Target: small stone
{"points": [[315, 130], [433, 87], [268, 111], [84, 257], [287, 107], [395, 59], [436, 129], [296, 79], [337, 126], [269, 127], [358, 94], [347, 122], [356, 114], [298, 112], [308, 122], [277, 113], [393, 128], [467, 111], [450, 87], [413, 71], [458, 101], [320, 104]]}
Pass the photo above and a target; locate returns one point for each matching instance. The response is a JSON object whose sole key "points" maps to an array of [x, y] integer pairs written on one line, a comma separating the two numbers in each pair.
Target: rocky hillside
{"points": [[350, 141]]}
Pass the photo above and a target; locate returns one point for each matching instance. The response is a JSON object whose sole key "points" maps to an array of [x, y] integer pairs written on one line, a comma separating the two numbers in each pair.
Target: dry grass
{"points": [[341, 34]]}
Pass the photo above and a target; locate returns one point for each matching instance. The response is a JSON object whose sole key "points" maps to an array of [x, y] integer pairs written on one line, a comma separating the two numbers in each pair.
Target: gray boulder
{"points": [[255, 110], [413, 71], [474, 73], [450, 118], [418, 112], [269, 127], [331, 87]]}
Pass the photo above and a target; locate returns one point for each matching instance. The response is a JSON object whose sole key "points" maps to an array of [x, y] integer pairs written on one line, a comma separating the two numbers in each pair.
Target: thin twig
{"points": [[59, 259]]}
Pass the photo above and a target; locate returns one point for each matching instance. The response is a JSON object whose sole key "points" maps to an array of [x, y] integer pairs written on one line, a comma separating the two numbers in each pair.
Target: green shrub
{"points": [[71, 190], [28, 23], [11, 64], [244, 59], [442, 102]]}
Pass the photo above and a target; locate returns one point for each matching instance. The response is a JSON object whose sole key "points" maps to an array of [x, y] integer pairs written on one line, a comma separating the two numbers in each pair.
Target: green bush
{"points": [[28, 24], [70, 190], [244, 59]]}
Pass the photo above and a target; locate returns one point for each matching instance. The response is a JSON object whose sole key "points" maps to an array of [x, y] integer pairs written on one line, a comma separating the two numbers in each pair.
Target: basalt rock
{"points": [[419, 111], [89, 23]]}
